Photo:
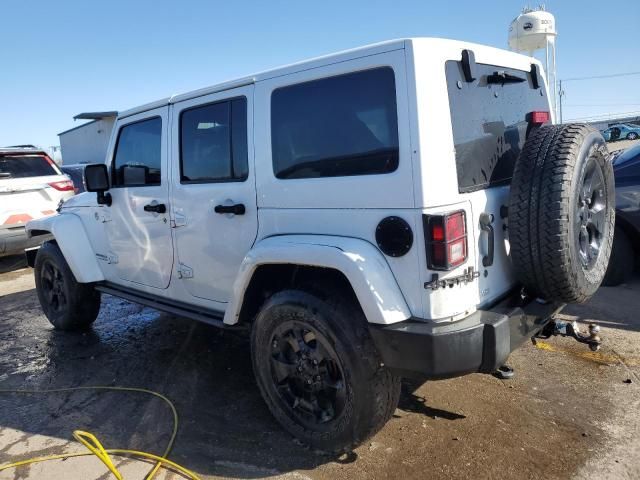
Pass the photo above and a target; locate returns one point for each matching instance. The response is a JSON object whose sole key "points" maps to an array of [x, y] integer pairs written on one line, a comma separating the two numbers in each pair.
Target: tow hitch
{"points": [[571, 329]]}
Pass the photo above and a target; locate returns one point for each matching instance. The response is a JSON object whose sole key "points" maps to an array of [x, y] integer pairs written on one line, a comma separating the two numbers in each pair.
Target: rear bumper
{"points": [[14, 241], [481, 342]]}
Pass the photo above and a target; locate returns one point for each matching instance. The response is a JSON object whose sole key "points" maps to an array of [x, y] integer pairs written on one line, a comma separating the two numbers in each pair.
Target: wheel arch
{"points": [[69, 233], [352, 265]]}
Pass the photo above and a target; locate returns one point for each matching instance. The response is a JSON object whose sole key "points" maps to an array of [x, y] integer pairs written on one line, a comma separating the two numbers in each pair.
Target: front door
{"points": [[215, 217], [139, 231]]}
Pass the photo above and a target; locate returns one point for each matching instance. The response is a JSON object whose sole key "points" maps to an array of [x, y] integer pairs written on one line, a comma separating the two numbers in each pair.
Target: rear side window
{"points": [[213, 143], [22, 166], [138, 154], [488, 122], [338, 126]]}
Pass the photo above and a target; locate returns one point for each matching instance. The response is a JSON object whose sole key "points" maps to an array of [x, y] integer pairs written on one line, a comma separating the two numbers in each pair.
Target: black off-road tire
{"points": [[371, 391], [546, 208], [622, 261], [67, 304]]}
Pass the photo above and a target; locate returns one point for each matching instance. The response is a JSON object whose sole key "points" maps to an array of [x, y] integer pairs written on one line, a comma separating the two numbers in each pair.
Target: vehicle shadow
{"points": [[414, 403], [225, 427]]}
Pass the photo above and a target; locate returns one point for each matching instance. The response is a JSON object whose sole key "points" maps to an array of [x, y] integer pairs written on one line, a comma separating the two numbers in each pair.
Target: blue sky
{"points": [[59, 58]]}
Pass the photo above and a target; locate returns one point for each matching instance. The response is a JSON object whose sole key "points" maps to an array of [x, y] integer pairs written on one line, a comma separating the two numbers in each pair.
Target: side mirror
{"points": [[96, 179]]}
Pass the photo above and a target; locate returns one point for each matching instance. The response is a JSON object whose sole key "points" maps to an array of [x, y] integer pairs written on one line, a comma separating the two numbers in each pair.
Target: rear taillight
{"points": [[538, 117], [446, 240], [63, 186]]}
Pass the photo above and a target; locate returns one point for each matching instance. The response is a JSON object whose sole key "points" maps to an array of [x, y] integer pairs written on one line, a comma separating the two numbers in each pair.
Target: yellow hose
{"points": [[95, 447]]}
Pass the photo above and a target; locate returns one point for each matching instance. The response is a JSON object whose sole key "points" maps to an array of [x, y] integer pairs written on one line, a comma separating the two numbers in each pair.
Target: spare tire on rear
{"points": [[562, 212]]}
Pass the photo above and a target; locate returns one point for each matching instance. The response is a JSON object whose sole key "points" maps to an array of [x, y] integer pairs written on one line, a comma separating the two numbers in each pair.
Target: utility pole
{"points": [[560, 95]]}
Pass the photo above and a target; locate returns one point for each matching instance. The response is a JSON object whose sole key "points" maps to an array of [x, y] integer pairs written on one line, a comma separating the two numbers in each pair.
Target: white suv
{"points": [[398, 209], [31, 186]]}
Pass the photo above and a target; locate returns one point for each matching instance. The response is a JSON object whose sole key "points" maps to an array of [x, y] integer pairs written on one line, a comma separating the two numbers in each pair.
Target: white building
{"points": [[87, 143]]}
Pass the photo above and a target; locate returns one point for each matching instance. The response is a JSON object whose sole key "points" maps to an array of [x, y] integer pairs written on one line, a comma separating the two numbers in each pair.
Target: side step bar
{"points": [[169, 306]]}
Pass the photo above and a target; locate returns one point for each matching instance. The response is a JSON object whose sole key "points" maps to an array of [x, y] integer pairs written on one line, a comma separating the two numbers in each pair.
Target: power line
{"points": [[606, 116], [593, 77], [601, 104]]}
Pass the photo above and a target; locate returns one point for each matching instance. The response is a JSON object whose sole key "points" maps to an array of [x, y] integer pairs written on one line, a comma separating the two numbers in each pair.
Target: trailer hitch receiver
{"points": [[572, 329]]}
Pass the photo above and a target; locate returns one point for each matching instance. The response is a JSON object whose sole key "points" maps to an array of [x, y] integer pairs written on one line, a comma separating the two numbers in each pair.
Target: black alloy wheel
{"points": [[307, 373], [591, 214], [318, 369], [67, 304], [53, 287]]}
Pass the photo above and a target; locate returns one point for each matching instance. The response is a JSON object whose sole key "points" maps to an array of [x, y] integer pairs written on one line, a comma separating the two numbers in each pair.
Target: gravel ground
{"points": [[621, 145], [568, 413]]}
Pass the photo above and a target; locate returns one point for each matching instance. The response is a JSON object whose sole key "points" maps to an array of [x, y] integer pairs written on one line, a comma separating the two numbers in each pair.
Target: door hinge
{"points": [[184, 271], [179, 220]]}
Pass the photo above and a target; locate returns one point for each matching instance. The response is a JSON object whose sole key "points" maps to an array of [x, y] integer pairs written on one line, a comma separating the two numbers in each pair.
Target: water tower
{"points": [[533, 31]]}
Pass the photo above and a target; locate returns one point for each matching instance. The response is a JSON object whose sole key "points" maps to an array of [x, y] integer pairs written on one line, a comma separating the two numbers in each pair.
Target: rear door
{"points": [[139, 233], [215, 217], [489, 123]]}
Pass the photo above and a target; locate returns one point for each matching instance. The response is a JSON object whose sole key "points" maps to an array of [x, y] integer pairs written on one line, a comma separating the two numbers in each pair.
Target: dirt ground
{"points": [[568, 413]]}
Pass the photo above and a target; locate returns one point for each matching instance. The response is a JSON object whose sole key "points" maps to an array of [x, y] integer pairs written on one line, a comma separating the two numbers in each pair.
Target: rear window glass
{"points": [[488, 122], [336, 126], [21, 166]]}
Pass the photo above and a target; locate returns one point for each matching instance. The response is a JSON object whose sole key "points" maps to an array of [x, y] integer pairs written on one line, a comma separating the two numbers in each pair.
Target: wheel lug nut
{"points": [[315, 362], [317, 378], [299, 368], [309, 381]]}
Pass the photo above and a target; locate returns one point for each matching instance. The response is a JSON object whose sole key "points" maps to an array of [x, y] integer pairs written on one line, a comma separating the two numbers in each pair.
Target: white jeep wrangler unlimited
{"points": [[396, 209]]}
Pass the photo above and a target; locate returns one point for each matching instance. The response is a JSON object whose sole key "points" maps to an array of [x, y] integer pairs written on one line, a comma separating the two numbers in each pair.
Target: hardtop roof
{"points": [[308, 64]]}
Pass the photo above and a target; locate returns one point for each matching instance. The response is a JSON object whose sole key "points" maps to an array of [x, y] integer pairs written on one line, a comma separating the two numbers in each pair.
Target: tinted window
{"points": [[338, 126], [488, 121], [21, 166], [138, 154], [213, 144]]}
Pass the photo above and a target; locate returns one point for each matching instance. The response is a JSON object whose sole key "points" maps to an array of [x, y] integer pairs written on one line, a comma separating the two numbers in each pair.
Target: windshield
{"points": [[22, 166], [488, 118]]}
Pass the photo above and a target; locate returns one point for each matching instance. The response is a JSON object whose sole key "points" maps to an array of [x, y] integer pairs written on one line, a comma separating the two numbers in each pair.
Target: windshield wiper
{"points": [[5, 175], [503, 77]]}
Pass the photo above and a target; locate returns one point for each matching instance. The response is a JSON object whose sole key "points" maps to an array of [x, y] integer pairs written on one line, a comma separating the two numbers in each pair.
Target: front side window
{"points": [[138, 154], [337, 126], [213, 142]]}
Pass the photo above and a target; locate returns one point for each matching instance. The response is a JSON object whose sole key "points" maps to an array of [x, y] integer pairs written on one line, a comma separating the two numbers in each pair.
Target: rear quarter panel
{"points": [[436, 182]]}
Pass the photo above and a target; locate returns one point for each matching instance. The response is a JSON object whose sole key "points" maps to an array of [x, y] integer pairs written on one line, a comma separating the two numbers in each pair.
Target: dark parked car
{"points": [[76, 173], [626, 242]]}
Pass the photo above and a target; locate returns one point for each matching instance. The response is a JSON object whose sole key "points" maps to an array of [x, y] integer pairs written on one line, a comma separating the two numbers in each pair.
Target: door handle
{"points": [[486, 219], [156, 208], [237, 209]]}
